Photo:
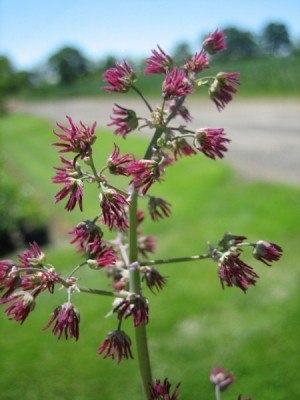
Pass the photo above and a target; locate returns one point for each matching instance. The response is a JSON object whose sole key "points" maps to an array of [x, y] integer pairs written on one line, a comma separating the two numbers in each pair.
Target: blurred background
{"points": [[52, 57]]}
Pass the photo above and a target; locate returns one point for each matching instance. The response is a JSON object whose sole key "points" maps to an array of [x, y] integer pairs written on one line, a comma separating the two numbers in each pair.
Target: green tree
{"points": [[240, 44], [181, 52], [276, 39], [69, 64]]}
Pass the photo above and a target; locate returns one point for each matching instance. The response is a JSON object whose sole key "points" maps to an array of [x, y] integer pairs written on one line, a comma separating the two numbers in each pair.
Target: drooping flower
{"points": [[153, 279], [176, 84], [125, 121], [145, 173], [76, 139], [120, 78], [214, 42], [117, 164], [73, 186], [6, 267], [9, 277], [162, 391], [211, 142], [100, 255], [197, 63], [223, 87], [21, 304], [182, 148], [267, 252], [145, 245], [84, 233], [40, 281], [159, 63], [32, 256], [158, 208], [182, 111], [135, 306], [219, 377], [117, 346], [234, 272], [113, 208], [66, 319]]}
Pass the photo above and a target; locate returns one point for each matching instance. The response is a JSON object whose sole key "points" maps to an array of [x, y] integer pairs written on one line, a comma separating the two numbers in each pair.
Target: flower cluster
{"points": [[66, 319], [116, 345], [162, 391], [135, 306]]}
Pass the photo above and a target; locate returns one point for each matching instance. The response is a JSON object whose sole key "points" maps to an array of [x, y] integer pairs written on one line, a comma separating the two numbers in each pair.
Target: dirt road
{"points": [[265, 134]]}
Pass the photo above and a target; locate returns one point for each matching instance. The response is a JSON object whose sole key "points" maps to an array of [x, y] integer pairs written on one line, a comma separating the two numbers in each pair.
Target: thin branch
{"points": [[175, 260], [142, 97]]}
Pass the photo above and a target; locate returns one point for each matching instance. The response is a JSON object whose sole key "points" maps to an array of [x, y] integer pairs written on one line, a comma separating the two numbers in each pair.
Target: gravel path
{"points": [[265, 134]]}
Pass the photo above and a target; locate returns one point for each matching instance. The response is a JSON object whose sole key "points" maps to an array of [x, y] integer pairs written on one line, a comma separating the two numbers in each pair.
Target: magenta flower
{"points": [[181, 148], [73, 186], [214, 42], [146, 244], [117, 164], [40, 281], [158, 63], [116, 345], [182, 111], [145, 173], [113, 209], [153, 279], [198, 62], [234, 272], [219, 377], [176, 84], [125, 120], [84, 233], [6, 269], [267, 252], [135, 306], [162, 391], [158, 208], [229, 239], [22, 303], [32, 256], [223, 87], [120, 78], [66, 319], [100, 255], [211, 142], [76, 139]]}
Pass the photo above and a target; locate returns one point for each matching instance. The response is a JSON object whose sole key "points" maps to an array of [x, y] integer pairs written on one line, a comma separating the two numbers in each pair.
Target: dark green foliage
{"points": [[276, 40]]}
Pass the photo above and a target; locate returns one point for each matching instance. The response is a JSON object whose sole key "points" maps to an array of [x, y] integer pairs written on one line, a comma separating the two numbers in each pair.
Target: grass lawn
{"points": [[194, 324]]}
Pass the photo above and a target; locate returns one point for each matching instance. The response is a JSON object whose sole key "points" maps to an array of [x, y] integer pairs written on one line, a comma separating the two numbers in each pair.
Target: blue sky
{"points": [[30, 30]]}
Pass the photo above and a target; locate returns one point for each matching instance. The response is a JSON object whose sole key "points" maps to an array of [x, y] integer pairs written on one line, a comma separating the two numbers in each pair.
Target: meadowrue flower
{"points": [[145, 173], [158, 208], [229, 239], [197, 63], [117, 164], [125, 121], [116, 345], [6, 267], [223, 87], [32, 256], [76, 139], [158, 63], [153, 279], [135, 306], [214, 42], [267, 252], [234, 272], [219, 377], [73, 186], [21, 304], [120, 78], [40, 281], [211, 142], [9, 278], [182, 148], [66, 319], [182, 111], [112, 204], [100, 255], [145, 245], [162, 391], [176, 84], [84, 233]]}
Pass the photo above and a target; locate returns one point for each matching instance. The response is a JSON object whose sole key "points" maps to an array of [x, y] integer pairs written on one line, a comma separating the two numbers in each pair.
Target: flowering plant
{"points": [[125, 259]]}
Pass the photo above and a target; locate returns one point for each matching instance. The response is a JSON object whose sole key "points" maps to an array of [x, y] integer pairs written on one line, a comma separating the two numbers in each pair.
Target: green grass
{"points": [[194, 325]]}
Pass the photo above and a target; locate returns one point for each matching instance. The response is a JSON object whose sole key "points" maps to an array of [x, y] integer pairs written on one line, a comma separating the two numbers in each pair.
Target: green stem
{"points": [[157, 134], [217, 392], [142, 97], [175, 260], [135, 286]]}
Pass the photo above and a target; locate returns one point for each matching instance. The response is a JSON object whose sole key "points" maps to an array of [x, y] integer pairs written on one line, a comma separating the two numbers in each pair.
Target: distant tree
{"points": [[181, 52], [69, 64], [240, 44], [276, 39]]}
